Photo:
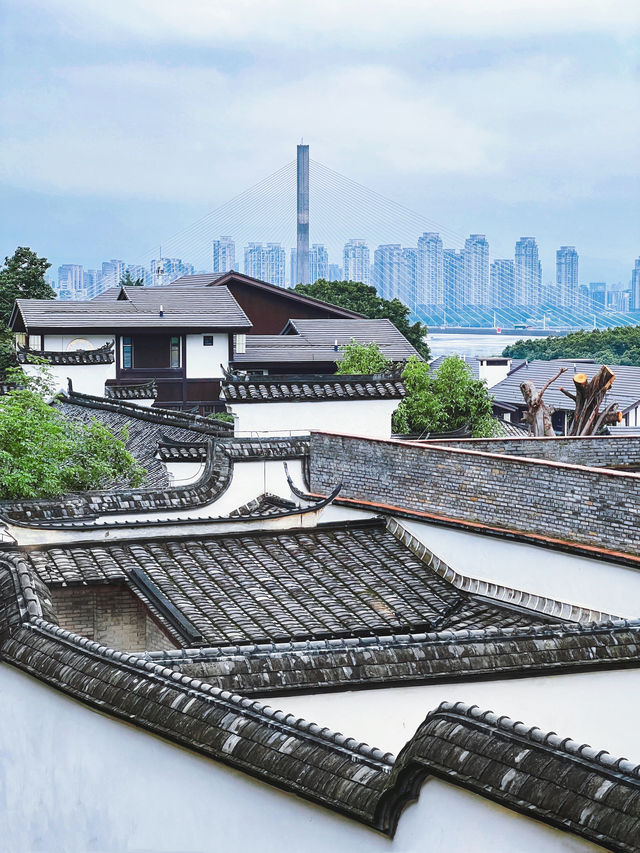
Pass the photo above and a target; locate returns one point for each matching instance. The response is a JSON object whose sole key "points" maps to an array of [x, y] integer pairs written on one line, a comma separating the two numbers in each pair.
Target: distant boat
{"points": [[498, 330]]}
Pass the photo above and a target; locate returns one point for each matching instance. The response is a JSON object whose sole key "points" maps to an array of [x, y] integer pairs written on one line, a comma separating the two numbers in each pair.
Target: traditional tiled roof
{"points": [[141, 391], [287, 389], [325, 582], [136, 308], [263, 506], [414, 658], [547, 777], [625, 389], [315, 340], [100, 355], [289, 447]]}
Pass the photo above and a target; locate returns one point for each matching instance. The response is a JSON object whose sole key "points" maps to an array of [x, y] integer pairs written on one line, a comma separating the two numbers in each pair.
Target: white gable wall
{"points": [[204, 362], [86, 378], [74, 780], [370, 418]]}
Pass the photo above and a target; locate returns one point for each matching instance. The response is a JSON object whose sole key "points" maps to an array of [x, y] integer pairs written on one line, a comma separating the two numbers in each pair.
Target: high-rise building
{"points": [[266, 263], [112, 273], [567, 275], [165, 270], [453, 274], [618, 298], [335, 272], [635, 286], [71, 282], [430, 269], [528, 272], [356, 261], [597, 295], [224, 254], [302, 228], [318, 262], [476, 269], [410, 293], [138, 273], [92, 283], [387, 271], [501, 284]]}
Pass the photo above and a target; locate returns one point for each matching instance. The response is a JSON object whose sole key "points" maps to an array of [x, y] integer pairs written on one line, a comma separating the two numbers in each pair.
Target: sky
{"points": [[124, 122]]}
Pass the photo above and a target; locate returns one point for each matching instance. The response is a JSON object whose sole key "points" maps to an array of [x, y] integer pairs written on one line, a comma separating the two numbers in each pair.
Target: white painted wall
{"points": [[493, 373], [204, 362], [584, 706], [370, 418], [86, 378], [74, 780], [578, 580]]}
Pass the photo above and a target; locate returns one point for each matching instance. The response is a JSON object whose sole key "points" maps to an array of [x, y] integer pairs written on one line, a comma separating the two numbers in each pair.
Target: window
{"points": [[207, 340], [174, 358], [127, 353], [240, 342]]}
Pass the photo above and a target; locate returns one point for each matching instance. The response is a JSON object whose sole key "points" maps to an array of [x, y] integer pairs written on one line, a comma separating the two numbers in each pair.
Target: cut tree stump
{"points": [[538, 414], [589, 394]]}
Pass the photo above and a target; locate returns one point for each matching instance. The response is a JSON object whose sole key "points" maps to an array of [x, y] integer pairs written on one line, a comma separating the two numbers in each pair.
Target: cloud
{"points": [[355, 24]]}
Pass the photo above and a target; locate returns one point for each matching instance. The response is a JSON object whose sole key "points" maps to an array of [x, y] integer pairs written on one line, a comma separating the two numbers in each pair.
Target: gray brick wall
{"points": [[551, 499], [601, 451], [110, 615]]}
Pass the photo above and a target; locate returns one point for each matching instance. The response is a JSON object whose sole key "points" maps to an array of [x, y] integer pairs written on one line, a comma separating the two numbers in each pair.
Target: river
{"points": [[484, 345]]}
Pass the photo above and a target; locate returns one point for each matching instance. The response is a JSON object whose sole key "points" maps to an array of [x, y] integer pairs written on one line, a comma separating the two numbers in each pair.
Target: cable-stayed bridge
{"points": [[448, 281]]}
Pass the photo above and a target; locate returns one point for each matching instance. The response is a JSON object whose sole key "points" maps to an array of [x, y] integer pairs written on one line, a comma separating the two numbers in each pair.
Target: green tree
{"points": [[43, 454], [356, 296], [363, 358], [444, 400], [127, 281], [22, 277], [620, 345]]}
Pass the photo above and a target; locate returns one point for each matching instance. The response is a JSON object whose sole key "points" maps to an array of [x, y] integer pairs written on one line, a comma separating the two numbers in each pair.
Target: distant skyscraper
{"points": [[318, 262], [266, 263], [453, 274], [635, 286], [224, 254], [567, 275], [501, 283], [71, 282], [112, 273], [528, 272], [335, 272], [597, 294], [476, 269], [430, 269], [409, 276], [165, 270], [356, 261], [387, 271]]}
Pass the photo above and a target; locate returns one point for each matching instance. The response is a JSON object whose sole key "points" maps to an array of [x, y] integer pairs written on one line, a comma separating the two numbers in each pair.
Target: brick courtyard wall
{"points": [[551, 499], [111, 615], [600, 451]]}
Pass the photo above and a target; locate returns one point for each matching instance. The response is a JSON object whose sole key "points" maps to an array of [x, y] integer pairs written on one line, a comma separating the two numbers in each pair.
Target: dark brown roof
{"points": [[210, 280], [287, 389], [135, 308]]}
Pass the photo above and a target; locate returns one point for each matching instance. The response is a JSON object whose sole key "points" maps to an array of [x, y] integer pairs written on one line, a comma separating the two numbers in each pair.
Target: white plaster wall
{"points": [[86, 378], [565, 577], [184, 473], [598, 708], [60, 343], [370, 418], [74, 780], [493, 373], [204, 362]]}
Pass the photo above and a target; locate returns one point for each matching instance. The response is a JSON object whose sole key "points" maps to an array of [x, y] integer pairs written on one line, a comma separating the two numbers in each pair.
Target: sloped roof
{"points": [[253, 588], [136, 308], [213, 280], [287, 389], [625, 389]]}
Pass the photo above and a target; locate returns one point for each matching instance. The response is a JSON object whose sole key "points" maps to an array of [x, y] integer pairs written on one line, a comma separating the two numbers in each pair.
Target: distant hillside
{"points": [[610, 346]]}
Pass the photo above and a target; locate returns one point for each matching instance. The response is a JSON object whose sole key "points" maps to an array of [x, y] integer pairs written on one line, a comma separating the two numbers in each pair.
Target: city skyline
{"points": [[491, 120]]}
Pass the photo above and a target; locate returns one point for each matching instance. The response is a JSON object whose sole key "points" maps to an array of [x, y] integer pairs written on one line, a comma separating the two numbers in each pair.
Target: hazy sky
{"points": [[123, 121]]}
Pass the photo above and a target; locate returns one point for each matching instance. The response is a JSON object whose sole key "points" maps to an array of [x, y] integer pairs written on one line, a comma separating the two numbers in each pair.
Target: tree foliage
{"points": [[363, 359], [43, 454], [363, 298], [22, 277], [620, 345], [444, 400], [127, 281]]}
